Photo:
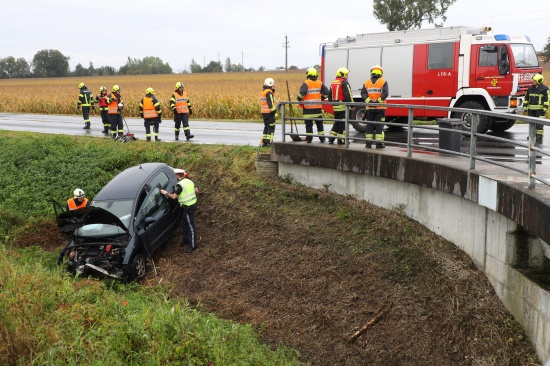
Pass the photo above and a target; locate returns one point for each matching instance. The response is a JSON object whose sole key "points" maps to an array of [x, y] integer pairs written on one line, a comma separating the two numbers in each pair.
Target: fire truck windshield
{"points": [[524, 55]]}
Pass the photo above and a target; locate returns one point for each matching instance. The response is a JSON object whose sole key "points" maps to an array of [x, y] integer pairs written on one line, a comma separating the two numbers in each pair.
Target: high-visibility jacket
{"points": [[340, 91], [149, 107], [85, 98], [102, 101], [113, 101], [187, 197], [73, 206], [180, 103], [374, 92], [537, 98], [267, 102], [313, 94]]}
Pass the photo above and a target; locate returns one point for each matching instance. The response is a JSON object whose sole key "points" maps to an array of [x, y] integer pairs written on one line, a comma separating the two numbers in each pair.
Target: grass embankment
{"points": [[49, 317]]}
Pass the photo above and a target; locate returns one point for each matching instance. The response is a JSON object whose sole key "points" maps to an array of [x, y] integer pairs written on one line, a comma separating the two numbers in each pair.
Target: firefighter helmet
{"points": [[376, 70], [149, 91], [538, 78], [311, 73], [81, 85], [269, 82], [342, 72], [116, 88], [102, 88], [78, 193], [179, 84]]}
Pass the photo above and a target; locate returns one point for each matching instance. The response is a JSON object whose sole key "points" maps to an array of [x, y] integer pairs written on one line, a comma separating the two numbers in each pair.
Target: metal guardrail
{"points": [[472, 133]]}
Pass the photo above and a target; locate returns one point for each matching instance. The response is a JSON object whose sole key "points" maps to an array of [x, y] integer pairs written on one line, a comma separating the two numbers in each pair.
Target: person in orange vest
{"points": [[375, 91], [114, 109], [340, 91], [267, 104], [78, 201], [101, 100], [149, 110], [181, 106], [85, 101], [313, 90]]}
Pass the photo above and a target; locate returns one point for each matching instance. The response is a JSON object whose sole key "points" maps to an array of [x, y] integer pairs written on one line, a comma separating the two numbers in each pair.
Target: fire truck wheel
{"points": [[357, 114], [484, 123], [503, 125]]}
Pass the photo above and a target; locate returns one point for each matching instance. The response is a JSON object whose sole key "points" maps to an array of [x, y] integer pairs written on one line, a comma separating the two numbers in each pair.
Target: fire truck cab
{"points": [[448, 67]]}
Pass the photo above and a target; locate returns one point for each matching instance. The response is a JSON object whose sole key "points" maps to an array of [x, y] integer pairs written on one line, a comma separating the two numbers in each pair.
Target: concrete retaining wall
{"points": [[460, 205]]}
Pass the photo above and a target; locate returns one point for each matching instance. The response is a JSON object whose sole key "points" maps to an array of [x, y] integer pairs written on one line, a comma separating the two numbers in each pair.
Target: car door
{"points": [[155, 218]]}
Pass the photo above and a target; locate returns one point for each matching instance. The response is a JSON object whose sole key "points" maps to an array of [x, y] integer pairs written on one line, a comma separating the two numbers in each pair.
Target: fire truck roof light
{"points": [[502, 37], [527, 37]]}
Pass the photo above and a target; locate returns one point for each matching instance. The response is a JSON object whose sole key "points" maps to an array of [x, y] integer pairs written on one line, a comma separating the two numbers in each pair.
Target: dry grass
{"points": [[213, 95]]}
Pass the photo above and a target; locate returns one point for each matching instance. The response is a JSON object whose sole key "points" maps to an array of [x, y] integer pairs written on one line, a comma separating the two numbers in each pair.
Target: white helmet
{"points": [[269, 82], [181, 171], [78, 193]]}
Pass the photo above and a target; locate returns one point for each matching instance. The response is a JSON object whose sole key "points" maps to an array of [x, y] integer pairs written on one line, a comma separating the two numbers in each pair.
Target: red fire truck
{"points": [[448, 67]]}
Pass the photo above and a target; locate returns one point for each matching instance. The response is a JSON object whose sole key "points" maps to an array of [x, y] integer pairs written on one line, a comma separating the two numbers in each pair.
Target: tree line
{"points": [[52, 63]]}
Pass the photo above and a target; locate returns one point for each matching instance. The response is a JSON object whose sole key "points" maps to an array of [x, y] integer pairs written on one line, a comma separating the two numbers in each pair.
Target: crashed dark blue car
{"points": [[126, 223]]}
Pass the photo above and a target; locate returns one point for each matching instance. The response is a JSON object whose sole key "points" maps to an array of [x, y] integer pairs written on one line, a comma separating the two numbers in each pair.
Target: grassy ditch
{"points": [[48, 317], [304, 268]]}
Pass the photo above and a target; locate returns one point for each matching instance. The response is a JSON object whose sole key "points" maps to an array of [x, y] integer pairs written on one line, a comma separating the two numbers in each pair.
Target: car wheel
{"points": [[138, 266], [484, 121]]}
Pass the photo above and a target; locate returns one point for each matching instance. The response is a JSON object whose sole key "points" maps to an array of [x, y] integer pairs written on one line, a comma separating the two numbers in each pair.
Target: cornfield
{"points": [[220, 96]]}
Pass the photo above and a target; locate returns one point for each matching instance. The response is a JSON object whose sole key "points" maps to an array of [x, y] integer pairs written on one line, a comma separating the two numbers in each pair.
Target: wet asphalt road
{"points": [[249, 133]]}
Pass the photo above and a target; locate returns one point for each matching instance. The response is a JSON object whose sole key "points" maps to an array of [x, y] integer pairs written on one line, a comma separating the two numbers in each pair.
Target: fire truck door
{"points": [[441, 76], [486, 65]]}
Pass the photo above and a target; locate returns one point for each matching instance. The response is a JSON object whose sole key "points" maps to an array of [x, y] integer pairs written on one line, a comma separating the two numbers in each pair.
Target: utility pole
{"points": [[286, 46], [242, 59]]}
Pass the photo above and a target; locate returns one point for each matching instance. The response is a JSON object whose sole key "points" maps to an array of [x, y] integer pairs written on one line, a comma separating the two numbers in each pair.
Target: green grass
{"points": [[48, 317]]}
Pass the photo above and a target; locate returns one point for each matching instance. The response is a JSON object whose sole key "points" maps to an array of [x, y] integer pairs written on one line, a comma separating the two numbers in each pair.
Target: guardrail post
{"points": [[473, 140], [532, 154], [410, 132], [283, 116], [346, 128]]}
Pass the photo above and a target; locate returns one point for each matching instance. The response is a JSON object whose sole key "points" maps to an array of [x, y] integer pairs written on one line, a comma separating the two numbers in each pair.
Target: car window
{"points": [[161, 180], [151, 205], [120, 208]]}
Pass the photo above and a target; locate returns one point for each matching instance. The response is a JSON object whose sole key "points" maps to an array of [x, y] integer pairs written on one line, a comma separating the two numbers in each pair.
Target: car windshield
{"points": [[120, 208], [524, 55]]}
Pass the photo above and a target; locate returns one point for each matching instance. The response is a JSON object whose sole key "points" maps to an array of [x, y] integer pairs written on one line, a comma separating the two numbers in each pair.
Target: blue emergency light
{"points": [[502, 37]]}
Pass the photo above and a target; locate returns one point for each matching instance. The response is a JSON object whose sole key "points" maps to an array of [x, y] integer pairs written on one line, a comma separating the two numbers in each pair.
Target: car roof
{"points": [[128, 183]]}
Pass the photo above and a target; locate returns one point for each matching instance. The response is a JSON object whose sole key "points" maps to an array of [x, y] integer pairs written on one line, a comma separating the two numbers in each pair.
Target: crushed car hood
{"points": [[69, 221]]}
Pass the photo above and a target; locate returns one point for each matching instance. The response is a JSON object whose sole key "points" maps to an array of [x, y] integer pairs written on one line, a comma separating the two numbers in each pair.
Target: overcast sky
{"points": [[251, 32]]}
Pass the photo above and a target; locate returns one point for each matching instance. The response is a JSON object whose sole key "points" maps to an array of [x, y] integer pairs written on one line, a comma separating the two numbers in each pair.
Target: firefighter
{"points": [[181, 106], [78, 201], [149, 110], [313, 90], [267, 104], [537, 101], [114, 109], [186, 194], [375, 91], [340, 91], [101, 100], [85, 101]]}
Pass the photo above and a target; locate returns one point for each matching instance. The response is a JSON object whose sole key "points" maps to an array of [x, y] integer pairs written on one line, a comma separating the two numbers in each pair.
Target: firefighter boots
{"points": [[148, 138], [86, 126], [189, 137], [157, 138]]}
